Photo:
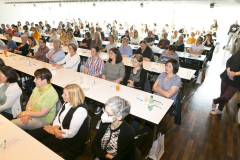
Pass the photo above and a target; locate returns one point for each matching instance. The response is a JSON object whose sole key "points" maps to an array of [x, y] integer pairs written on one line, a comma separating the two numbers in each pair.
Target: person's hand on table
{"points": [[15, 51], [56, 65], [25, 119], [51, 60], [58, 133], [48, 128]]}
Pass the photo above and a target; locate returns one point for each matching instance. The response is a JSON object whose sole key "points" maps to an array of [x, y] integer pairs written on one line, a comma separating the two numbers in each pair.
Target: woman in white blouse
{"points": [[10, 93], [71, 60], [53, 35], [135, 39], [69, 131]]}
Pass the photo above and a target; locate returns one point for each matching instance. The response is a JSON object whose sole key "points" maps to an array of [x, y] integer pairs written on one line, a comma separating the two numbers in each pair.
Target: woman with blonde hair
{"points": [[69, 130], [22, 48], [137, 75], [135, 39]]}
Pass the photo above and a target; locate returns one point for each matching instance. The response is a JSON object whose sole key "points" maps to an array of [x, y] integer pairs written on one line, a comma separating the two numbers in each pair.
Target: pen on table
{"points": [[139, 99], [157, 101]]}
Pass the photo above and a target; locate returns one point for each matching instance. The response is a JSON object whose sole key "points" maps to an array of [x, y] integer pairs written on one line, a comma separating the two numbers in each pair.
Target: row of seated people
{"points": [[70, 121], [30, 48]]}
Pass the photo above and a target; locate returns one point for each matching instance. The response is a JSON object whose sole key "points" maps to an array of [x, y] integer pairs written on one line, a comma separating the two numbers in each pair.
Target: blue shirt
{"points": [[11, 44], [127, 51], [57, 56], [165, 57], [174, 81], [3, 31]]}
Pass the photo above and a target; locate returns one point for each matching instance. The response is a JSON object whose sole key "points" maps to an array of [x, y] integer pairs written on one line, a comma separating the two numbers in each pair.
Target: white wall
{"points": [[192, 14]]}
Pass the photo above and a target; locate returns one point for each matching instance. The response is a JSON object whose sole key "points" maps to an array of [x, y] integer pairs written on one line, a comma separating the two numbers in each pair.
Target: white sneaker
{"points": [[216, 112], [214, 106]]}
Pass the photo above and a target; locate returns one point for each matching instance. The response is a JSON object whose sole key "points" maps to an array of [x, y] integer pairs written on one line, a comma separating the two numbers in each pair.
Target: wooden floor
{"points": [[201, 135]]}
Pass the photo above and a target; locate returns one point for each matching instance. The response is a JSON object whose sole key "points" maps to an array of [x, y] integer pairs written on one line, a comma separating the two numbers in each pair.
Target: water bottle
{"points": [[28, 62], [150, 104]]}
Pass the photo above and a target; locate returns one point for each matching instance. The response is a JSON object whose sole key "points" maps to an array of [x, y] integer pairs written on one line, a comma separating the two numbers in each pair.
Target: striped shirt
{"points": [[94, 67]]}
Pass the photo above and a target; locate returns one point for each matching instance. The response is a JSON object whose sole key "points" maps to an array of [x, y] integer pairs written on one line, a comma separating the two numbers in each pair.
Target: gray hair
{"points": [[57, 42], [119, 106], [126, 39]]}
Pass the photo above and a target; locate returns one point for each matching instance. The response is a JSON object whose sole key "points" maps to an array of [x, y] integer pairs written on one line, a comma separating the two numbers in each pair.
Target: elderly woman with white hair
{"points": [[23, 48], [125, 49], [115, 138], [56, 54], [97, 40]]}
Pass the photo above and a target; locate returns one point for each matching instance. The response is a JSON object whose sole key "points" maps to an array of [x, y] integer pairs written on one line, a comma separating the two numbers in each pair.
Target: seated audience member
{"points": [[115, 138], [22, 48], [94, 64], [16, 31], [1, 63], [41, 107], [150, 39], [155, 34], [131, 32], [48, 29], [33, 47], [35, 34], [39, 29], [2, 45], [86, 42], [164, 42], [110, 45], [236, 42], [102, 34], [191, 39], [59, 30], [9, 29], [11, 45], [125, 49], [107, 32], [197, 48], [209, 43], [26, 31], [145, 51], [63, 37], [114, 69], [114, 33], [77, 31], [53, 35], [69, 28], [10, 93], [69, 131], [179, 44], [42, 51], [174, 37], [92, 31], [3, 31], [135, 38], [230, 83], [97, 40], [168, 54], [70, 39], [137, 75], [168, 83], [125, 35], [55, 54], [71, 60]]}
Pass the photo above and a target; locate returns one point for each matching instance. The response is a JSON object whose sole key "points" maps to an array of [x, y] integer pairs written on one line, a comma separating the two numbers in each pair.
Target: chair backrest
{"points": [[79, 67], [58, 106], [147, 86]]}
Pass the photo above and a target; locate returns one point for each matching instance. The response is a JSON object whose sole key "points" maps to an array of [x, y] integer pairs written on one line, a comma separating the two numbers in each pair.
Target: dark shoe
{"points": [[238, 105]]}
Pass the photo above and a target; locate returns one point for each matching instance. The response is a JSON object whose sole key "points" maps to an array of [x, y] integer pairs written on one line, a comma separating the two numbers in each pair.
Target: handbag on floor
{"points": [[157, 149]]}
